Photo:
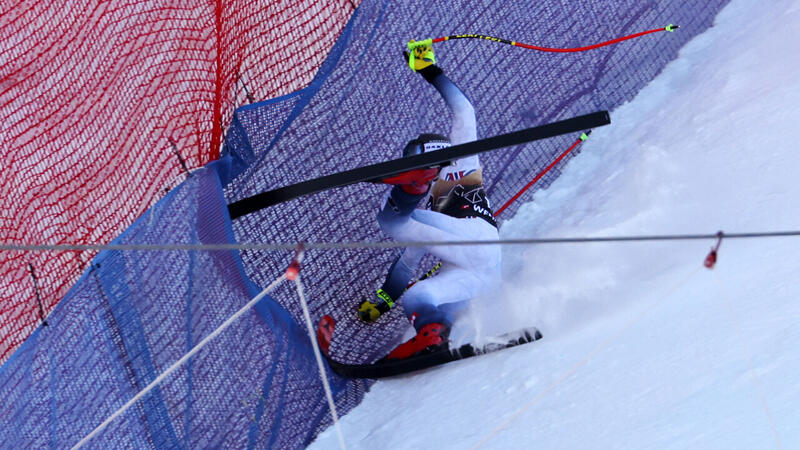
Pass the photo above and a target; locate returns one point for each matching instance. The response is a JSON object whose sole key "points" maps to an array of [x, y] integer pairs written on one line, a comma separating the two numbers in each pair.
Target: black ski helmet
{"points": [[426, 142]]}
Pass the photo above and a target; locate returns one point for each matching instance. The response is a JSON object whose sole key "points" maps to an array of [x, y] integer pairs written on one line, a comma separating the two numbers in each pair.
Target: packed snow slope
{"points": [[644, 347]]}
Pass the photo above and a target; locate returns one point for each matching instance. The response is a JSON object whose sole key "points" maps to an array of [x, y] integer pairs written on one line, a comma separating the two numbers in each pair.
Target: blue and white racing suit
{"points": [[468, 271]]}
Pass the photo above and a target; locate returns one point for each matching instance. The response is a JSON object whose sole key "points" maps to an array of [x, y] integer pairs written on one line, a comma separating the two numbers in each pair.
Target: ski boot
{"points": [[430, 338]]}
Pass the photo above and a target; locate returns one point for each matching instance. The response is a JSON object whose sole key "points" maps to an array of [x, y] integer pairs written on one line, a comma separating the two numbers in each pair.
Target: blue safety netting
{"points": [[256, 385], [133, 314]]}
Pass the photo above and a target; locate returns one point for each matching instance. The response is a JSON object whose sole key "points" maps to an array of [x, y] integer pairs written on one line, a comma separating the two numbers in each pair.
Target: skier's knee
{"points": [[421, 307]]}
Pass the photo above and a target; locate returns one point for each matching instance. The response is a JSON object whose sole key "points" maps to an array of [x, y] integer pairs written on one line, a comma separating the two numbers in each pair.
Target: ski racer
{"points": [[459, 211]]}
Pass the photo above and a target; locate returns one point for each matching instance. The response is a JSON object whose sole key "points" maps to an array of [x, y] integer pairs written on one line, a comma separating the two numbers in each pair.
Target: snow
{"points": [[644, 347]]}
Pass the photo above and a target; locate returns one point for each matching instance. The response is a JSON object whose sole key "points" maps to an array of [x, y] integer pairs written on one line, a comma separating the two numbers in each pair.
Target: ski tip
{"points": [[530, 335], [325, 332]]}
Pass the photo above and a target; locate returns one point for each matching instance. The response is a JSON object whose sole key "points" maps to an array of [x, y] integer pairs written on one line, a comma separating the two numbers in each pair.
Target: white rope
{"points": [[388, 244], [180, 362], [320, 364], [574, 369]]}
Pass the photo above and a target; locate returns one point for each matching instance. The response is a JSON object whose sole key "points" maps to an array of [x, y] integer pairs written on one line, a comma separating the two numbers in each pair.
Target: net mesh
{"points": [[132, 314], [103, 103], [129, 318]]}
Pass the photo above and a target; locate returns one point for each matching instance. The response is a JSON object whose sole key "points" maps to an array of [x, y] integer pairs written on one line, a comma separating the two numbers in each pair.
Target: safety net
{"points": [[105, 107], [134, 313]]}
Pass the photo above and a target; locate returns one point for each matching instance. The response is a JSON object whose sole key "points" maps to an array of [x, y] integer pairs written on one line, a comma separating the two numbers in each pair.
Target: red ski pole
{"points": [[669, 28], [539, 176]]}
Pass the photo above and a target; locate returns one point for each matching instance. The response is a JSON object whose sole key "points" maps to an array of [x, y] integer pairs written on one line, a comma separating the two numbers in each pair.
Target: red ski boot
{"points": [[431, 337]]}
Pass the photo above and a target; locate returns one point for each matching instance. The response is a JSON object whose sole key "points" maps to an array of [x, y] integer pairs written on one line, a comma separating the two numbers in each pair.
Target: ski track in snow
{"points": [[643, 347]]}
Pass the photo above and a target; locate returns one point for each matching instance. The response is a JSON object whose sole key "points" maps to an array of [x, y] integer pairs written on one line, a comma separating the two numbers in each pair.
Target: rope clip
{"points": [[294, 268], [711, 259]]}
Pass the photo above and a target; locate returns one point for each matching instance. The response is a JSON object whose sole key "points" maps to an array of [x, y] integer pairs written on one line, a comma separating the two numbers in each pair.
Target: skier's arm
{"points": [[464, 127], [466, 171]]}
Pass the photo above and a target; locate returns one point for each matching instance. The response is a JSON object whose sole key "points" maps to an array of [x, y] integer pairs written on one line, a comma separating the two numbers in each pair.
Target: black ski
{"points": [[377, 172], [389, 368]]}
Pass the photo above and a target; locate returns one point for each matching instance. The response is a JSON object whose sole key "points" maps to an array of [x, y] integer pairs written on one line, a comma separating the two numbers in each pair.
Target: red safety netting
{"points": [[104, 103]]}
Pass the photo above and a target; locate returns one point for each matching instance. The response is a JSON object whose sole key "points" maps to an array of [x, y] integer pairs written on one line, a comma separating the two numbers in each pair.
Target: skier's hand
{"points": [[368, 312], [420, 54]]}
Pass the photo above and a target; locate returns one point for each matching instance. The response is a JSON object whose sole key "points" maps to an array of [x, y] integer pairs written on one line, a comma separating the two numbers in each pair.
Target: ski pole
{"points": [[582, 138], [670, 28]]}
